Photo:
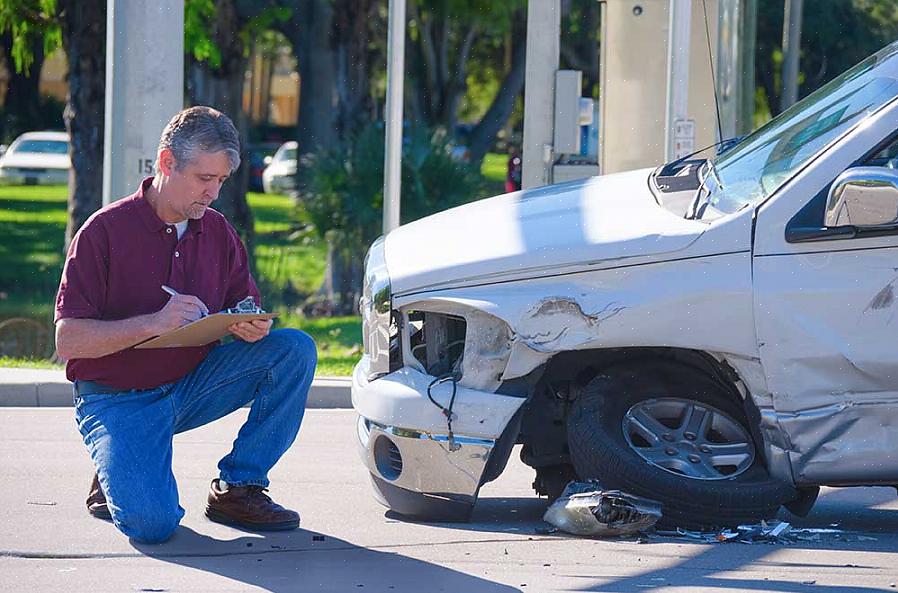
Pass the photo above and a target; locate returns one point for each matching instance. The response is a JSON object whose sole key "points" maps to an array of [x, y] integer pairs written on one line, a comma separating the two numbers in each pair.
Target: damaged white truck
{"points": [[718, 334]]}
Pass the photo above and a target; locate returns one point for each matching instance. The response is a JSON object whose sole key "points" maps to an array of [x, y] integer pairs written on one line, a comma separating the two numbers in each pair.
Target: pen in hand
{"points": [[172, 292]]}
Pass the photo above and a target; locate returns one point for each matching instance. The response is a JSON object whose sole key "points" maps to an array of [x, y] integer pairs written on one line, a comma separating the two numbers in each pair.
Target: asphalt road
{"points": [[348, 543]]}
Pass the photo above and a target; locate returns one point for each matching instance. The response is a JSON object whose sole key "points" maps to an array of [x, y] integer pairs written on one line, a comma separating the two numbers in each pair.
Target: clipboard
{"points": [[202, 331]]}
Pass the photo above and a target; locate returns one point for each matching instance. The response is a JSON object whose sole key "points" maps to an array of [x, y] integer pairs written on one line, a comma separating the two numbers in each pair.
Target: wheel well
{"points": [[543, 426]]}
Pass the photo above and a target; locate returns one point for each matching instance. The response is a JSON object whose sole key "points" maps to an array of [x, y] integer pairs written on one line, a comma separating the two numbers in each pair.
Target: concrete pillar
{"points": [[144, 87], [543, 51]]}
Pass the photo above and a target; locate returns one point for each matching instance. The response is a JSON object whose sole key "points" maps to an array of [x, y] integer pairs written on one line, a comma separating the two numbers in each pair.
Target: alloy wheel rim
{"points": [[688, 438]]}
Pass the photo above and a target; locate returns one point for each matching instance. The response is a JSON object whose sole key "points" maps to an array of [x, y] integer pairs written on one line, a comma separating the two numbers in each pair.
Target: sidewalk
{"points": [[50, 388]]}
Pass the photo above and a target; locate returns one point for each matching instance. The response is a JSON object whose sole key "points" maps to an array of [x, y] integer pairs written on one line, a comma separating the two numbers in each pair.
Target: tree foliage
{"points": [[30, 21], [836, 34]]}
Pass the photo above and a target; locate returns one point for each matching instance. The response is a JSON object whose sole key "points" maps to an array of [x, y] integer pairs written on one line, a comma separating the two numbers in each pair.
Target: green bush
{"points": [[342, 190]]}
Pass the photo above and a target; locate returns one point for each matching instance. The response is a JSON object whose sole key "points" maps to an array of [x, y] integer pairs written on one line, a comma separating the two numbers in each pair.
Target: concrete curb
{"points": [[41, 388]]}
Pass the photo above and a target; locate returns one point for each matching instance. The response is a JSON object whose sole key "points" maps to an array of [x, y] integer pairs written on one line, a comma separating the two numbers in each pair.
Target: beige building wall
{"points": [[53, 73], [633, 105]]}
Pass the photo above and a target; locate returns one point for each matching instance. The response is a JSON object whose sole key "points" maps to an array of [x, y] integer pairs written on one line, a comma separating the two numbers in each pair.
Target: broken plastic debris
{"points": [[746, 534], [584, 508]]}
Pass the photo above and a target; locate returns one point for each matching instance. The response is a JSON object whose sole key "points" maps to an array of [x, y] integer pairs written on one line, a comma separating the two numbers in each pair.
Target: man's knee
{"points": [[297, 344], [150, 527]]}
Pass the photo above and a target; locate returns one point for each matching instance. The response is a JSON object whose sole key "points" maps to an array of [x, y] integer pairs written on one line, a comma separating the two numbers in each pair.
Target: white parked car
{"points": [[717, 334], [37, 158], [279, 176]]}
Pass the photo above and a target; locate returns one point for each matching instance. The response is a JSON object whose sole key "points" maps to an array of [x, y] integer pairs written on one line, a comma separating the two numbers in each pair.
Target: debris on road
{"points": [[584, 508], [773, 532]]}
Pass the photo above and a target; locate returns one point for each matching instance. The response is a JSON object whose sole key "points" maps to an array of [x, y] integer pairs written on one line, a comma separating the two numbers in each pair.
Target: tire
{"points": [[600, 447]]}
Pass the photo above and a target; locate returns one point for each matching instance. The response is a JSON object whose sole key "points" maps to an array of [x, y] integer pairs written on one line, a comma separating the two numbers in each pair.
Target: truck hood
{"points": [[536, 232]]}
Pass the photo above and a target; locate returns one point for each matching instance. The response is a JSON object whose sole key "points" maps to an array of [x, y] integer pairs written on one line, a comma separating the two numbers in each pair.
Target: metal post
{"points": [[543, 50], [393, 116], [791, 52], [679, 37], [144, 88], [749, 33]]}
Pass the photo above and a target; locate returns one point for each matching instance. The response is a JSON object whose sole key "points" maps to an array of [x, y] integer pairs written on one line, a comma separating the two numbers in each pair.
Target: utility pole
{"points": [[791, 52], [677, 117], [543, 51], [144, 88], [393, 116]]}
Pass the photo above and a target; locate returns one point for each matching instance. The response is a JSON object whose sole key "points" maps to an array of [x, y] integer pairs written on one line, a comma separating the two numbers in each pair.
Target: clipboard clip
{"points": [[247, 305]]}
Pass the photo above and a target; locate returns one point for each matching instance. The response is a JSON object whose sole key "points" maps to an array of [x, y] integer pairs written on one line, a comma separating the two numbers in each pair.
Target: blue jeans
{"points": [[129, 434]]}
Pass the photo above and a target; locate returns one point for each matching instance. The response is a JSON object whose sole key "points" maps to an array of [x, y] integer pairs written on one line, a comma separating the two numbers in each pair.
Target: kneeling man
{"points": [[131, 402]]}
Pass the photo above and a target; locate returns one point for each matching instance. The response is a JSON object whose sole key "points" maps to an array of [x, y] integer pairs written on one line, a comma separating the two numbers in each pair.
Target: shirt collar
{"points": [[150, 219]]}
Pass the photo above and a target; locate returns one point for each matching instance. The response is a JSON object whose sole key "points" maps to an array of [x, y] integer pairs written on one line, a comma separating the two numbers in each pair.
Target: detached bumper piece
{"points": [[586, 509], [417, 475]]}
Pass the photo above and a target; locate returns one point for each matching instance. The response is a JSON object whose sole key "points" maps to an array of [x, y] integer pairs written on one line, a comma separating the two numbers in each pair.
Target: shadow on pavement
{"points": [[703, 571], [303, 560], [854, 516]]}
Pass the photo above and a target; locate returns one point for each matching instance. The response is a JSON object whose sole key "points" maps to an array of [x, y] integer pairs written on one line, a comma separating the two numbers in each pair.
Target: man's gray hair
{"points": [[200, 129]]}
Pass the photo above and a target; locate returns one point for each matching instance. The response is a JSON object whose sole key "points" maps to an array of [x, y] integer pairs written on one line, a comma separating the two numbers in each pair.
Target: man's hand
{"points": [[251, 331], [180, 309]]}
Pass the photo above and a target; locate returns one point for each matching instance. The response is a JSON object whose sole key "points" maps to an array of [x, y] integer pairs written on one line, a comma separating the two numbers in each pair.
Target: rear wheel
{"points": [[672, 434]]}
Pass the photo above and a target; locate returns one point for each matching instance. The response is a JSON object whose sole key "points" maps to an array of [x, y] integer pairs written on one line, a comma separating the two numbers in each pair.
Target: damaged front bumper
{"points": [[418, 468]]}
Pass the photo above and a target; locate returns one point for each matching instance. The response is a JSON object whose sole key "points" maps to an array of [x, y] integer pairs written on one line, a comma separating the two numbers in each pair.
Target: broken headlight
{"points": [[375, 307]]}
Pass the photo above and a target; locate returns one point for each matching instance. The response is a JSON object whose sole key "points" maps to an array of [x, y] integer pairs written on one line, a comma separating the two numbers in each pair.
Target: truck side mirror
{"points": [[863, 197], [267, 160]]}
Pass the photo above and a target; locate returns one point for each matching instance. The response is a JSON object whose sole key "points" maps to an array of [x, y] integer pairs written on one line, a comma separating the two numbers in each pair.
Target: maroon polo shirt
{"points": [[115, 268]]}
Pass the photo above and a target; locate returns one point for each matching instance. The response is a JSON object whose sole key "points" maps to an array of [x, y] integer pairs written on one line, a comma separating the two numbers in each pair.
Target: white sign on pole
{"points": [[684, 137]]}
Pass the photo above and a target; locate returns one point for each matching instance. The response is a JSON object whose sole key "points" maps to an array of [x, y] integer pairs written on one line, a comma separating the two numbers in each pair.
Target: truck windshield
{"points": [[755, 168]]}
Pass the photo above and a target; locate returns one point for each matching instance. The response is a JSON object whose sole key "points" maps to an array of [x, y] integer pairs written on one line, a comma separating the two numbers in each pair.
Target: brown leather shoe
{"points": [[248, 507], [96, 501]]}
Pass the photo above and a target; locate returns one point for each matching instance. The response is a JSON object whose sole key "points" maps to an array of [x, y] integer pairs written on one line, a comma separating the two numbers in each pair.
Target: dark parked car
{"points": [[258, 158]]}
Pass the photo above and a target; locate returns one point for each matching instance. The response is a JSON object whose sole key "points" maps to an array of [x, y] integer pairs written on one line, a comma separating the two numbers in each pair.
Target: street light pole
{"points": [[393, 116]]}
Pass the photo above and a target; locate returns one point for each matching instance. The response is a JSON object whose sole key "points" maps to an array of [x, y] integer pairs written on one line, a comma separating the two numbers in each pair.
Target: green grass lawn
{"points": [[494, 168], [290, 260]]}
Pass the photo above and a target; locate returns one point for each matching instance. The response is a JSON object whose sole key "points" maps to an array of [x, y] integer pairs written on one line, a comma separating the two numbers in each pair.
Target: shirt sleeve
{"points": [[240, 283], [82, 288]]}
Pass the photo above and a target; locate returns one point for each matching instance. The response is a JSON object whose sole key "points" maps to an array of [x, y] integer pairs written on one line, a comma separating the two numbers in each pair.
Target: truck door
{"points": [[826, 312]]}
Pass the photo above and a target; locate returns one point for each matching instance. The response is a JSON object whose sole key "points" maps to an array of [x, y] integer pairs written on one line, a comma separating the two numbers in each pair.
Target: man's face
{"points": [[190, 190]]}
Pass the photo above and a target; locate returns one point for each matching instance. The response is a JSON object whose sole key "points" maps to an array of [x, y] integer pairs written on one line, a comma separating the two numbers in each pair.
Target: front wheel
{"points": [[672, 434]]}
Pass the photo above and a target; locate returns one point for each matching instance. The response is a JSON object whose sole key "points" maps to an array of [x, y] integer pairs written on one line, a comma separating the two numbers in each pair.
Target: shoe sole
{"points": [[103, 514], [219, 517]]}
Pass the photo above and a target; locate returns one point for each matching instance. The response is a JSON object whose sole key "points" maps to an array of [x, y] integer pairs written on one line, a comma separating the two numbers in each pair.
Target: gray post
{"points": [[393, 116], [543, 50], [678, 45], [144, 87], [749, 33], [791, 52]]}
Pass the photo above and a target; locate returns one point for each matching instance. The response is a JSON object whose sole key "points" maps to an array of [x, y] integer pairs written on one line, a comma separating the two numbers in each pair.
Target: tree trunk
{"points": [[84, 39], [442, 84], [484, 134], [221, 87], [21, 105], [343, 278], [352, 19], [309, 30]]}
